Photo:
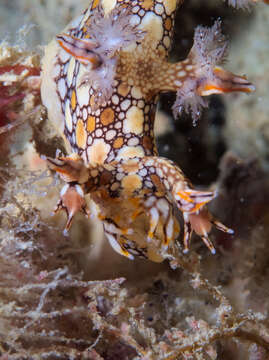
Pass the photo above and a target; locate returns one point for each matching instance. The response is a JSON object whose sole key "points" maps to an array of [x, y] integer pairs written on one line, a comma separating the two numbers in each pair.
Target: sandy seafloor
{"points": [[49, 306]]}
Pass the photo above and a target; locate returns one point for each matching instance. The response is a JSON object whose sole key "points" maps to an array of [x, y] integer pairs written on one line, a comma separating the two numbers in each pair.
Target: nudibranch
{"points": [[100, 83]]}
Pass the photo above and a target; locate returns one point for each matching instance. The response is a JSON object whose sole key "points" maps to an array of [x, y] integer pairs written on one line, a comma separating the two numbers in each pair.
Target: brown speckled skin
{"points": [[112, 150]]}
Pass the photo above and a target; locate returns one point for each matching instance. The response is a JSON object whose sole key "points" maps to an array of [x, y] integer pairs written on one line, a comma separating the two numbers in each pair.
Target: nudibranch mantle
{"points": [[100, 83]]}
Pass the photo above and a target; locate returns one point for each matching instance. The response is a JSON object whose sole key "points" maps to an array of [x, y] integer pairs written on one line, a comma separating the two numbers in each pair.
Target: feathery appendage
{"points": [[208, 51], [209, 48], [101, 80], [189, 101], [111, 33], [108, 35]]}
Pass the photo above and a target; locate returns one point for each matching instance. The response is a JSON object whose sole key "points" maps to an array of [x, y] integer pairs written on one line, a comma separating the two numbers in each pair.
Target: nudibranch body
{"points": [[100, 83]]}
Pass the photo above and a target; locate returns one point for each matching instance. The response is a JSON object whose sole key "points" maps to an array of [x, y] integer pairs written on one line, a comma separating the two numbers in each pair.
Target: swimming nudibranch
{"points": [[100, 83]]}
